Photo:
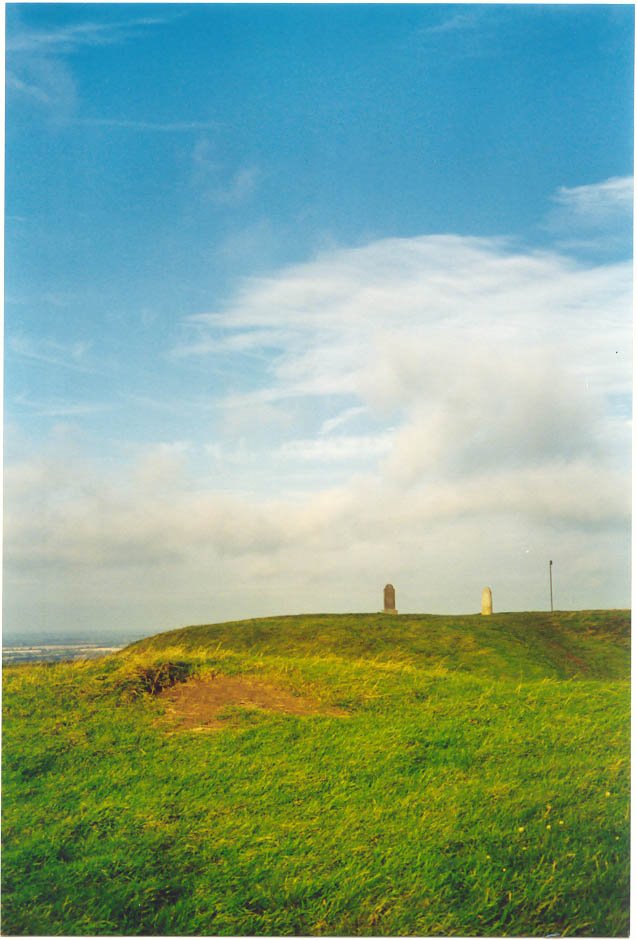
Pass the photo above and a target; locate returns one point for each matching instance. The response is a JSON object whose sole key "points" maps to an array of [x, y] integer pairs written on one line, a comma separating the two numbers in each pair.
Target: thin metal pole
{"points": [[551, 582]]}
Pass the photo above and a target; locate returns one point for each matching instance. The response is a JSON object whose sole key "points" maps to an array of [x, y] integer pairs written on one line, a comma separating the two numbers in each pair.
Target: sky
{"points": [[305, 299]]}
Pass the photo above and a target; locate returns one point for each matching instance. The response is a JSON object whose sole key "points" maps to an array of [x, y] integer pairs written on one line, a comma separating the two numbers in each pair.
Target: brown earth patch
{"points": [[199, 703]]}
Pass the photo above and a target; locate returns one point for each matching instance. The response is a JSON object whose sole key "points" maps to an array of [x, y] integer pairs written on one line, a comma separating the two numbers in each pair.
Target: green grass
{"points": [[478, 786]]}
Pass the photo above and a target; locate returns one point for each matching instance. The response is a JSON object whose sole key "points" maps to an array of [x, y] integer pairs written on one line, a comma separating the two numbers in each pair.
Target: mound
{"points": [[524, 645], [480, 785]]}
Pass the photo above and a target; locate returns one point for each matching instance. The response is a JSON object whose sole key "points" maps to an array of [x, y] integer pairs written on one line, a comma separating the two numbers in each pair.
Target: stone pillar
{"points": [[389, 598], [487, 602]]}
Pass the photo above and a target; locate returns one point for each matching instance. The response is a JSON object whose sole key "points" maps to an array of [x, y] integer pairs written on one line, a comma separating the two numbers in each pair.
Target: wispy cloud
{"points": [[598, 202], [219, 184], [168, 127], [458, 22], [594, 216], [44, 81], [30, 90], [70, 38], [344, 417], [57, 408], [255, 343], [463, 34], [239, 187], [394, 330], [72, 356], [341, 448], [37, 59]]}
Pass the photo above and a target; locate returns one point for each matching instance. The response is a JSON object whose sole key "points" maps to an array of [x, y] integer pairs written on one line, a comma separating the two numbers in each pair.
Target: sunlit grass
{"points": [[479, 785]]}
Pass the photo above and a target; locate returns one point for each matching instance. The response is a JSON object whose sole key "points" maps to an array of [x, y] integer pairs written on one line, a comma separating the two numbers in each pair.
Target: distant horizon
{"points": [[90, 639]]}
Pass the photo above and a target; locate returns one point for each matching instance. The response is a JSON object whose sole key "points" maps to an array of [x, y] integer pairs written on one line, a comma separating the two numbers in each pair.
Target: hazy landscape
{"points": [[52, 647], [346, 774]]}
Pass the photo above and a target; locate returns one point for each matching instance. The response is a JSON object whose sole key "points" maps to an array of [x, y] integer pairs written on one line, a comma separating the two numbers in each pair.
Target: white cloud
{"points": [[239, 187], [218, 183], [343, 418], [74, 356], [401, 320], [28, 88], [461, 34], [348, 449], [437, 411], [67, 39], [595, 217], [45, 81], [458, 22], [37, 59], [167, 127], [598, 202], [59, 408]]}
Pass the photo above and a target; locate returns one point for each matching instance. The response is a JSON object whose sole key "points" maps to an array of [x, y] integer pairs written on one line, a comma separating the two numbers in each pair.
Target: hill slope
{"points": [[325, 775], [560, 645]]}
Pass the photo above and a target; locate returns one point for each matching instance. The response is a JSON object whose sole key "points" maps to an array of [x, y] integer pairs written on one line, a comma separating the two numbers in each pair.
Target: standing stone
{"points": [[389, 597], [487, 602]]}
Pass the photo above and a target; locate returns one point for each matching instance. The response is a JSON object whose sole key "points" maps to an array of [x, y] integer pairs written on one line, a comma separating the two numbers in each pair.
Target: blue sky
{"points": [[305, 298]]}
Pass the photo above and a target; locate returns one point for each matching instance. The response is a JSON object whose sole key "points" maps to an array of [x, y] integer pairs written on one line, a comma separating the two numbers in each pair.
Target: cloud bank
{"points": [[440, 412]]}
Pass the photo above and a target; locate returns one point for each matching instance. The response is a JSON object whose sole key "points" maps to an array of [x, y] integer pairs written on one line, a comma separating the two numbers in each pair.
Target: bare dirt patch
{"points": [[199, 704]]}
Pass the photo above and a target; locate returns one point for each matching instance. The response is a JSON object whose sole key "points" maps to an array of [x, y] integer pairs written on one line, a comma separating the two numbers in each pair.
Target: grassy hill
{"points": [[326, 775]]}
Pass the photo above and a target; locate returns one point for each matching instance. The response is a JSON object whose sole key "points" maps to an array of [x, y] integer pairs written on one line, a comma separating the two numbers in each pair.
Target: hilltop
{"points": [[355, 774], [525, 645]]}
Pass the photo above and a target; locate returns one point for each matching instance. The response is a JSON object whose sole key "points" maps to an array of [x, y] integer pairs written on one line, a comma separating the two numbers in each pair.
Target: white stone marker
{"points": [[487, 602]]}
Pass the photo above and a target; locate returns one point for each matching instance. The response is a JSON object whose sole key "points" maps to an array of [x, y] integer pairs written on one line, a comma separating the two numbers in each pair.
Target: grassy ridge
{"points": [[519, 645], [479, 784]]}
